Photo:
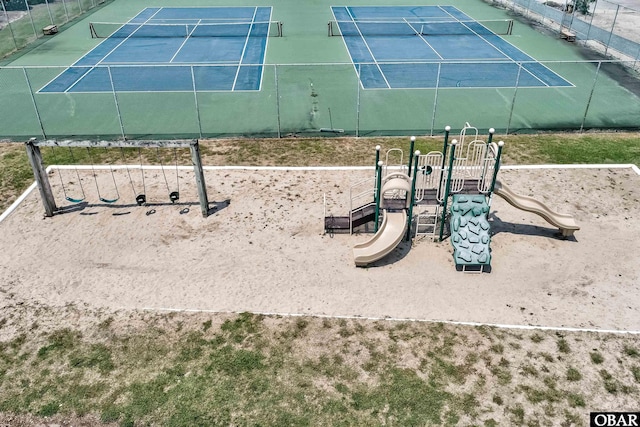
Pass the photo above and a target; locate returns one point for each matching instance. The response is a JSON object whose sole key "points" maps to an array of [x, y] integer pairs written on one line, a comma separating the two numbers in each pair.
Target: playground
{"points": [[264, 250]]}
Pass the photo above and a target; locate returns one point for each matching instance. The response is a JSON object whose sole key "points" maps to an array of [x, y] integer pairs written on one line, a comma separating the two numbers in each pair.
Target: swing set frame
{"points": [[42, 178]]}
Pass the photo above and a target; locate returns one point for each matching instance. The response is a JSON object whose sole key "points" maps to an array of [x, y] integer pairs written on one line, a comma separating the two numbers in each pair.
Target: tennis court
{"points": [[202, 68], [389, 47], [235, 38]]}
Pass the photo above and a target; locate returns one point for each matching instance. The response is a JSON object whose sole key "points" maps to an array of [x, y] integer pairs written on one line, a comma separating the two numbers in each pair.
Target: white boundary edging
{"points": [[19, 200], [633, 167], [401, 319]]}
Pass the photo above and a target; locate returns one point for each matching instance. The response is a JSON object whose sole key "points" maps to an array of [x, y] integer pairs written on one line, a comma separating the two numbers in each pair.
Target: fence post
{"points": [[435, 99], [613, 24], [35, 33], [195, 97], [275, 76], [66, 12], [593, 88], [358, 101], [35, 105], [13, 36], [115, 98], [49, 12], [513, 100]]}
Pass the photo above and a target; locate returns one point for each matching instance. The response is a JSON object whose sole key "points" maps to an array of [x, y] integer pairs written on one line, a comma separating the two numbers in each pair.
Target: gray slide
{"points": [[566, 223]]}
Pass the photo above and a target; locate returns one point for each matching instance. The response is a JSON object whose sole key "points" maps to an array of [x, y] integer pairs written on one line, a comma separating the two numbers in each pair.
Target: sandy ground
{"points": [[265, 251]]}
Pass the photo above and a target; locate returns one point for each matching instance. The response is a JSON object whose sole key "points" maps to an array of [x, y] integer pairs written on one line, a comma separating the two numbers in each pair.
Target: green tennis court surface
{"points": [[311, 80]]}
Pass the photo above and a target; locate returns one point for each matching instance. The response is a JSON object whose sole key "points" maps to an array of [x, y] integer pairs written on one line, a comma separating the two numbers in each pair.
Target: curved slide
{"points": [[389, 235], [565, 223]]}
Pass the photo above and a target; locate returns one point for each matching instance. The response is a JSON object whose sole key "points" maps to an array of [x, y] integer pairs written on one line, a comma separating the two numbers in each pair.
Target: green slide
{"points": [[470, 232]]}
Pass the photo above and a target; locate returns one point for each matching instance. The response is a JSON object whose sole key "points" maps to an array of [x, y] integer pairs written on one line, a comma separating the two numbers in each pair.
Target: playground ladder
{"points": [[427, 221]]}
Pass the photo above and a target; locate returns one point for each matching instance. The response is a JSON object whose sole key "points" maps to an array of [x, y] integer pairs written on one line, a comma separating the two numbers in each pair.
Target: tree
{"points": [[19, 4], [582, 6]]}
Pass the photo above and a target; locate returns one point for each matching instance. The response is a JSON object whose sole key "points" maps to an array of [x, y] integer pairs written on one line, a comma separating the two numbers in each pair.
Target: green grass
{"points": [[596, 357], [254, 370], [16, 175]]}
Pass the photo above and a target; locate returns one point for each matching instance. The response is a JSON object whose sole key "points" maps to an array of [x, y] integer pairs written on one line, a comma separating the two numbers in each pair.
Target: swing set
{"points": [[40, 173]]}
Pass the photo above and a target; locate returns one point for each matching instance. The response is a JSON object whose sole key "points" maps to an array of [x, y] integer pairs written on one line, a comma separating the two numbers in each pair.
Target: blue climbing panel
{"points": [[470, 231]]}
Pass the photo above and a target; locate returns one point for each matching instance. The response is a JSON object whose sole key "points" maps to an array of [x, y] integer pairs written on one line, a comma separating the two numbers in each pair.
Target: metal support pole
{"points": [[485, 160], [613, 25], [358, 103], [513, 100], [378, 195], [435, 99], [491, 132], [275, 76], [496, 167], [411, 146], [49, 11], [199, 173], [447, 129], [66, 12], [412, 196], [40, 173], [195, 98], [375, 179], [447, 188], [13, 36], [593, 88], [35, 33], [33, 101], [115, 99]]}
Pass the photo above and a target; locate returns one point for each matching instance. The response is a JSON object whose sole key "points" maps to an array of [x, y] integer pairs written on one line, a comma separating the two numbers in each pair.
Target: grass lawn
{"points": [[184, 369]]}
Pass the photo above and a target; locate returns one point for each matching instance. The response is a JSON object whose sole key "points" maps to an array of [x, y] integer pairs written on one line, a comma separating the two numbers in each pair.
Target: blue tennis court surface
{"points": [[174, 49], [432, 46]]}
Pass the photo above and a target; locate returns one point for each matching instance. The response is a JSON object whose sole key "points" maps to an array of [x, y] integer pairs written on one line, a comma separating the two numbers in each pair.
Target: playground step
{"points": [[359, 217], [429, 197], [393, 204]]}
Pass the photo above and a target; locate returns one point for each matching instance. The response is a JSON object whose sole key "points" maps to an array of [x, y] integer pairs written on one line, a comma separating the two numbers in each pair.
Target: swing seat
{"points": [[72, 200], [141, 199], [102, 199], [174, 196]]}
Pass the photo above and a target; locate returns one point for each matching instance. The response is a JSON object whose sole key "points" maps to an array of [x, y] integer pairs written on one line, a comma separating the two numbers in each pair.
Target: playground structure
{"points": [[453, 187], [44, 186]]}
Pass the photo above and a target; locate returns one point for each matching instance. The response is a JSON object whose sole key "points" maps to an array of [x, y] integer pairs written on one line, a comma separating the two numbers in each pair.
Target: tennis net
{"points": [[420, 28], [218, 29]]}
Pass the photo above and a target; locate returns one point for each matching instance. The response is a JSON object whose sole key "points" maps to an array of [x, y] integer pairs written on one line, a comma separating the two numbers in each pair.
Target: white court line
{"points": [[244, 49], [15, 204], [403, 319]]}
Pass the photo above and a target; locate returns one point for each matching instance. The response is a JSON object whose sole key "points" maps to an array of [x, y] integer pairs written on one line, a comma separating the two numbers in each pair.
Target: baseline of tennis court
{"points": [[160, 49], [411, 46]]}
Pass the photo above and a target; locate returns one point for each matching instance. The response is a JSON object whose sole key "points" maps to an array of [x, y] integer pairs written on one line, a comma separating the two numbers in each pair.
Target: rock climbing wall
{"points": [[470, 230]]}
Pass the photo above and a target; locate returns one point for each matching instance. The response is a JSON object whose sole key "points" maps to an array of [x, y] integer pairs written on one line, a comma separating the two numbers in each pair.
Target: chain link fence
{"points": [[23, 21], [609, 28], [318, 99]]}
